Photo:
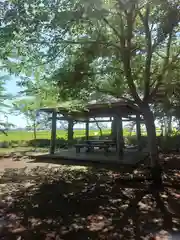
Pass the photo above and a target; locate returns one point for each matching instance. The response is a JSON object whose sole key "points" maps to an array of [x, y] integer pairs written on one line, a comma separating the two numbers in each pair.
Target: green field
{"points": [[25, 135]]}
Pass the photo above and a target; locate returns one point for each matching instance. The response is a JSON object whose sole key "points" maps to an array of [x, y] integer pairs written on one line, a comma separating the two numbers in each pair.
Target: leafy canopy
{"points": [[128, 49]]}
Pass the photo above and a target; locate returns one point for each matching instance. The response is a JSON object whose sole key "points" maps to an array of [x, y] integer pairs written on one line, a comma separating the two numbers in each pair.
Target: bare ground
{"points": [[51, 201]]}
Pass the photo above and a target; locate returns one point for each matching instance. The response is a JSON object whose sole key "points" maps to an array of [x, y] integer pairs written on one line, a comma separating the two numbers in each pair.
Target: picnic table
{"points": [[91, 144]]}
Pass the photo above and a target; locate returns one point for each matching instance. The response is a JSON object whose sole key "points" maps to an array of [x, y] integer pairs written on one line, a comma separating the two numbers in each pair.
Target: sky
{"points": [[20, 121], [11, 87]]}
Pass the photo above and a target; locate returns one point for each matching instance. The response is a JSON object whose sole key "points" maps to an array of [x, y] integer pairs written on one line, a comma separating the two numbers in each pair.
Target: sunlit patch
{"points": [[98, 222], [164, 235]]}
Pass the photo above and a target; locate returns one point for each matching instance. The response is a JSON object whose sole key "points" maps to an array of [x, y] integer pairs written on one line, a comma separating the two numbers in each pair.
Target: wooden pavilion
{"points": [[117, 111]]}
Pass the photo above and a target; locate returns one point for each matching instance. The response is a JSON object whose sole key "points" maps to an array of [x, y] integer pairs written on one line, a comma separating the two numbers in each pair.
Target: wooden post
{"points": [[87, 130], [119, 138], [70, 131], [138, 130], [114, 128], [53, 133]]}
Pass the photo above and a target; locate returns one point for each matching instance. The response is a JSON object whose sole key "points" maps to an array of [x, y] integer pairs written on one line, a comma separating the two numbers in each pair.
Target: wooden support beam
{"points": [[119, 138], [132, 120], [114, 128], [87, 130], [81, 121], [93, 121], [70, 131], [121, 151], [138, 131], [60, 118], [100, 121], [53, 133]]}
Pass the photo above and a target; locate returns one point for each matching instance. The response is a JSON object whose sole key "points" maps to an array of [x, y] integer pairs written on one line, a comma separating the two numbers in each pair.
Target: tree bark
{"points": [[156, 171], [169, 123], [53, 133], [100, 130], [113, 129], [34, 130], [87, 130], [165, 126], [35, 135], [70, 132]]}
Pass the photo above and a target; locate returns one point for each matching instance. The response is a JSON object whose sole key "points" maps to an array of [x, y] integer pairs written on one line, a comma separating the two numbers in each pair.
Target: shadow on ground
{"points": [[91, 204]]}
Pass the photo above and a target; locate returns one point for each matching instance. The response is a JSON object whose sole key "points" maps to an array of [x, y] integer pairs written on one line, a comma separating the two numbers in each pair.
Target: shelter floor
{"points": [[130, 156]]}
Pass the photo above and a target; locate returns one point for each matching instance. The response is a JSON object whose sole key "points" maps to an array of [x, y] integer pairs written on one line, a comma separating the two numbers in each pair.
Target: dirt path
{"points": [[9, 163], [51, 201]]}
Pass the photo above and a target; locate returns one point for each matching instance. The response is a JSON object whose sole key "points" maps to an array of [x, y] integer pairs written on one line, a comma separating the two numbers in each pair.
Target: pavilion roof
{"points": [[96, 108]]}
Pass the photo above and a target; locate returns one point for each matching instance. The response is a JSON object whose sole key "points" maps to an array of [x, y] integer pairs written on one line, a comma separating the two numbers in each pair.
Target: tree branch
{"points": [[113, 28], [51, 59], [73, 43], [109, 92], [166, 66], [159, 55], [4, 132], [147, 73], [126, 58]]}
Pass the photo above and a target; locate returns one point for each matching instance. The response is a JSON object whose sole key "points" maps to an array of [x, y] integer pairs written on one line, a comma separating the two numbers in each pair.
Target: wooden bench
{"points": [[81, 145], [100, 143], [90, 147]]}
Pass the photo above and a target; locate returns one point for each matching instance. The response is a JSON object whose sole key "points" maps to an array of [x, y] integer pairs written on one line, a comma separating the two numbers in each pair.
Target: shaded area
{"points": [[88, 204], [130, 156], [131, 160]]}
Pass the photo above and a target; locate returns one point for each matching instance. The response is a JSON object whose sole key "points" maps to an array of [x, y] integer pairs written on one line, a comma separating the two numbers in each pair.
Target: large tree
{"points": [[122, 48]]}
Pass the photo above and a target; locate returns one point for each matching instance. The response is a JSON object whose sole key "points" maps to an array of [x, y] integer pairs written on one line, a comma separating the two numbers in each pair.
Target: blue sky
{"points": [[19, 121], [11, 87]]}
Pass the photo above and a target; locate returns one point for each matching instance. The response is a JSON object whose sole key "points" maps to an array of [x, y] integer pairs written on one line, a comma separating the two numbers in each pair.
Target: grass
{"points": [[26, 136]]}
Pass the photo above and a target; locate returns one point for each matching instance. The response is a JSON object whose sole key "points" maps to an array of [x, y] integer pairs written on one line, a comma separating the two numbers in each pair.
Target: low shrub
{"points": [[62, 143], [169, 143], [166, 144], [41, 143], [132, 141], [44, 143], [23, 143], [15, 143], [5, 144]]}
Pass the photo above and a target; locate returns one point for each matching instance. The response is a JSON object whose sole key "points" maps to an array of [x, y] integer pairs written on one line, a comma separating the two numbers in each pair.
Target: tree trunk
{"points": [[165, 127], [34, 130], [114, 128], [100, 130], [35, 135], [169, 124], [131, 128], [156, 171], [162, 130], [70, 132]]}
